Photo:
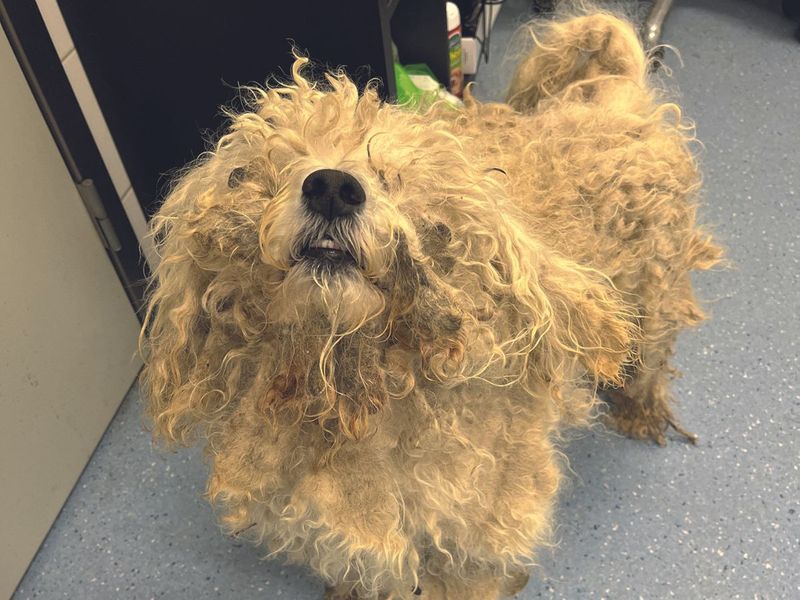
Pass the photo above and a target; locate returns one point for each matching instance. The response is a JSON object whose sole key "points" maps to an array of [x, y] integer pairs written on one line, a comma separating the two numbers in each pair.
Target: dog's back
{"points": [[603, 172]]}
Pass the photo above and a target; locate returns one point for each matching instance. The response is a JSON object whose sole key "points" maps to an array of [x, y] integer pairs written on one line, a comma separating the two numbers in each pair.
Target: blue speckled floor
{"points": [[716, 521]]}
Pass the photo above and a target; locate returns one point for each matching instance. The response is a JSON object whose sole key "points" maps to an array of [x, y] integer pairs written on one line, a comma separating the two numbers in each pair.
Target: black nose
{"points": [[333, 193]]}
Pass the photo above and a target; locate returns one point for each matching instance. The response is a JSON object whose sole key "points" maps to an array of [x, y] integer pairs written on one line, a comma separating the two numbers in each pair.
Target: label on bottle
{"points": [[456, 73]]}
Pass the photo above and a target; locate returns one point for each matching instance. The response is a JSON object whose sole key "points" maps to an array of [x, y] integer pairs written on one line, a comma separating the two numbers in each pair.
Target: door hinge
{"points": [[93, 203]]}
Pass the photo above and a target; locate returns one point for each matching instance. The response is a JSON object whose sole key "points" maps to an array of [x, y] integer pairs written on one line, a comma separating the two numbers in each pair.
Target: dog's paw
{"points": [[514, 584], [339, 593], [631, 418]]}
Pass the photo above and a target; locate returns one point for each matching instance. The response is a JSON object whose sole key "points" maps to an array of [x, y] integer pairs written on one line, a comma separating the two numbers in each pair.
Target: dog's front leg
{"points": [[346, 591]]}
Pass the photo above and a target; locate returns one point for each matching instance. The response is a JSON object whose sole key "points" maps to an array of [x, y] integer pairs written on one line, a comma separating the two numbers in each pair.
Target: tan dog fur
{"points": [[393, 425]]}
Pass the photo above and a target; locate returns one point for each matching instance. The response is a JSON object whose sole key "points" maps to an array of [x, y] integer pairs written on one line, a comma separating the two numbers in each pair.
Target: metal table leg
{"points": [[655, 21]]}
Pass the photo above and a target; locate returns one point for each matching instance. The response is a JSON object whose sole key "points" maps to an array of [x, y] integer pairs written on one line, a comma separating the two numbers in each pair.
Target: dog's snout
{"points": [[333, 193]]}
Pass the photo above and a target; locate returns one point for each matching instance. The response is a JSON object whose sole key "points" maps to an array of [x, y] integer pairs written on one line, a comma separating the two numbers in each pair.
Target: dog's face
{"points": [[335, 247], [345, 193]]}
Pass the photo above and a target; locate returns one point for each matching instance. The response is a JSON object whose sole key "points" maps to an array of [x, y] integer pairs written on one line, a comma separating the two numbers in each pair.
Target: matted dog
{"points": [[379, 321]]}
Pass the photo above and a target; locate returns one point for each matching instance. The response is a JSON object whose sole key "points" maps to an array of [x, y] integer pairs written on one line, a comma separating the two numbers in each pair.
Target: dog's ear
{"points": [[571, 312], [172, 340], [188, 304], [422, 309]]}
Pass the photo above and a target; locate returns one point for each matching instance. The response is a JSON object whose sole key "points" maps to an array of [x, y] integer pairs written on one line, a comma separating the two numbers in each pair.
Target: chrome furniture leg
{"points": [[655, 21]]}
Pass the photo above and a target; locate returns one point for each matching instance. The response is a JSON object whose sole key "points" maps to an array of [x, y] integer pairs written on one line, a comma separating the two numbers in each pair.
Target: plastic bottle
{"points": [[454, 45]]}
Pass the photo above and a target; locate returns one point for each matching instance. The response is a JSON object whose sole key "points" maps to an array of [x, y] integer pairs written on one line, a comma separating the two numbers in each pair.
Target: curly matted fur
{"points": [[392, 424]]}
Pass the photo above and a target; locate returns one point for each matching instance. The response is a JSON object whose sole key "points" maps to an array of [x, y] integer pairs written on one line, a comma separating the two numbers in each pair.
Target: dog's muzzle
{"points": [[336, 196]]}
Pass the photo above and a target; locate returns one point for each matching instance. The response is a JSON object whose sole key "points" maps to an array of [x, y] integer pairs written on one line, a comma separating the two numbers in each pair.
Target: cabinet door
{"points": [[67, 331]]}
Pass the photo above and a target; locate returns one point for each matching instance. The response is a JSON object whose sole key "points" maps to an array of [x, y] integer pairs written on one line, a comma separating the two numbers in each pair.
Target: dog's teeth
{"points": [[325, 243]]}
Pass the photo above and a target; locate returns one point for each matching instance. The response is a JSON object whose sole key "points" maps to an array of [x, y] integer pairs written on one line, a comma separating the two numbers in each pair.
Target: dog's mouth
{"points": [[326, 251]]}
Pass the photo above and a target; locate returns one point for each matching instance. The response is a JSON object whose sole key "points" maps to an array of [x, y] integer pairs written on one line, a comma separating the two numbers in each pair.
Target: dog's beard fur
{"points": [[337, 333], [330, 329], [333, 379]]}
